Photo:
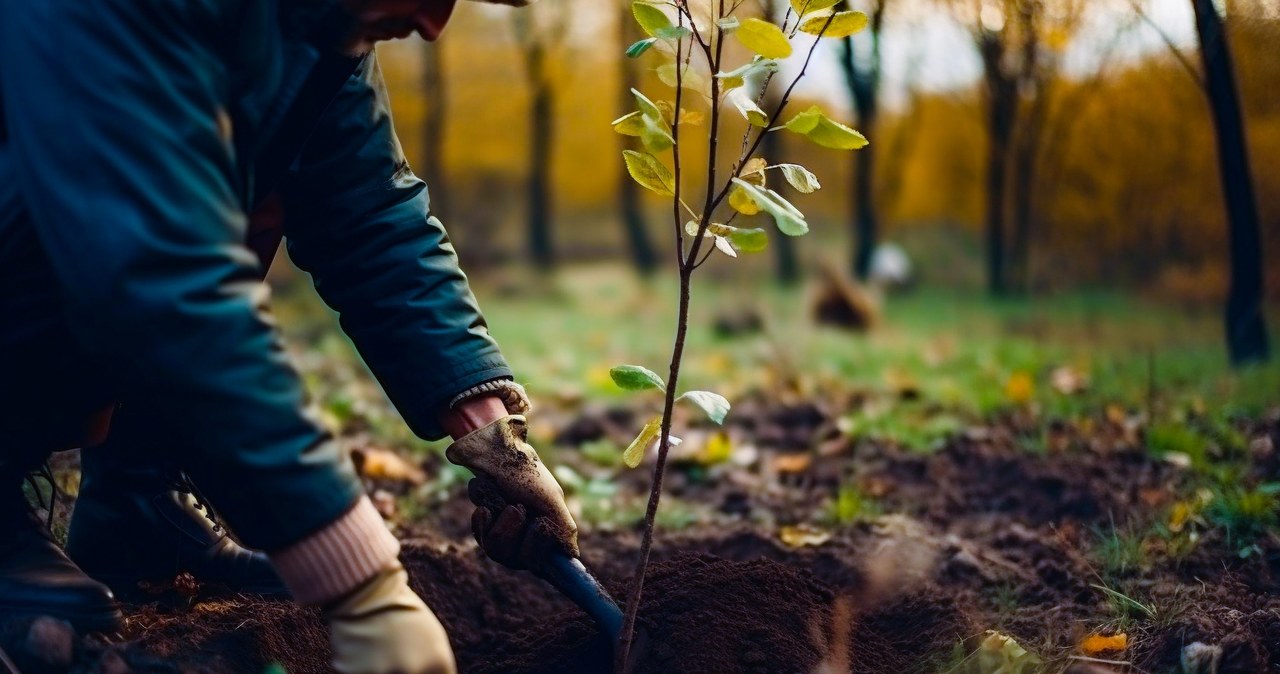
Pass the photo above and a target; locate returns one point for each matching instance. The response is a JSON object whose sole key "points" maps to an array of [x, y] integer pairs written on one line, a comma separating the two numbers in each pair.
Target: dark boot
{"points": [[134, 524], [36, 578]]}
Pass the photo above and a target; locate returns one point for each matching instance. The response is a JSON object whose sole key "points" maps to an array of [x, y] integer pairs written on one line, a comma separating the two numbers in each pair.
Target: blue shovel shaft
{"points": [[572, 579]]}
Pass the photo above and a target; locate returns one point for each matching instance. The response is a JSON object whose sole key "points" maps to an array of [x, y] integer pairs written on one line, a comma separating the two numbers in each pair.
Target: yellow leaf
{"points": [[692, 117], [650, 17], [842, 24], [634, 453], [1019, 388], [742, 202], [630, 124], [1181, 514], [650, 173], [717, 450], [688, 80], [804, 7], [763, 38], [802, 535], [1095, 644], [815, 126]]}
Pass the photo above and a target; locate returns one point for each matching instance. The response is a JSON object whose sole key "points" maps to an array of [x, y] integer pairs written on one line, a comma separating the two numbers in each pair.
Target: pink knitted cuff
{"points": [[332, 562]]}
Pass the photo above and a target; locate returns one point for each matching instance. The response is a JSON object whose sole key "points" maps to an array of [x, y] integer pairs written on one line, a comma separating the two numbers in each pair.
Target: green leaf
{"points": [[745, 240], [756, 65], [652, 126], [804, 7], [630, 124], [654, 134], [763, 38], [636, 378], [815, 126], [690, 80], [650, 17], [673, 32], [801, 178], [638, 48], [634, 453], [650, 173], [728, 24], [843, 24], [647, 107], [714, 404], [748, 107], [788, 218], [751, 240]]}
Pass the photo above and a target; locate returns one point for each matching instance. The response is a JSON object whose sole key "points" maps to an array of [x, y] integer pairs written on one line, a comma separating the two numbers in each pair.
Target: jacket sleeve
{"points": [[118, 126], [359, 221]]}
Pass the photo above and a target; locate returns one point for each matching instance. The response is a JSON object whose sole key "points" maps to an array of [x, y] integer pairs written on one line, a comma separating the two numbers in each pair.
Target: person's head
{"points": [[378, 20]]}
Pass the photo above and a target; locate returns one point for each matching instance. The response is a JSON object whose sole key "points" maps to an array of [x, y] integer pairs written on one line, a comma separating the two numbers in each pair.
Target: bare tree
{"points": [[1017, 41], [1245, 325], [540, 31], [862, 75]]}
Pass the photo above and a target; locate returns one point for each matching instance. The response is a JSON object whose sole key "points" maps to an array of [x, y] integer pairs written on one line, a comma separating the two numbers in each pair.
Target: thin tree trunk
{"points": [[1245, 325], [866, 228], [643, 254], [1026, 156], [1002, 107], [433, 120], [997, 164], [540, 245], [863, 80]]}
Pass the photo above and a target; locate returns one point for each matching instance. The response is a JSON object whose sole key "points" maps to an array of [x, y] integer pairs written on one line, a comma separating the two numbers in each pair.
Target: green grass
{"points": [[956, 351]]}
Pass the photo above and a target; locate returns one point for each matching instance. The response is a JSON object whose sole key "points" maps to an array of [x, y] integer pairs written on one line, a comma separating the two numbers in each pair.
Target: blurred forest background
{"points": [[1097, 107]]}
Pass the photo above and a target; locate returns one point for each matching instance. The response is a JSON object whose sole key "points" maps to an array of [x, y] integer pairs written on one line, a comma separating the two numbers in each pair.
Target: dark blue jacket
{"points": [[136, 136]]}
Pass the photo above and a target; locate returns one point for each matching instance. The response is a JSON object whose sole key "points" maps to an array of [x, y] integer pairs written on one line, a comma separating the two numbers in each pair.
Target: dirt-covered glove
{"points": [[384, 628], [520, 515]]}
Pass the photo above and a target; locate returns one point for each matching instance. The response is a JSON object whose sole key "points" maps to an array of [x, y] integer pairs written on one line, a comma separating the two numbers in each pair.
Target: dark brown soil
{"points": [[979, 535], [701, 613]]}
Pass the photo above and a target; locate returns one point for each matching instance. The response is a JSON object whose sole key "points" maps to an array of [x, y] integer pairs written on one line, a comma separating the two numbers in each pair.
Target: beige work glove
{"points": [[520, 515], [384, 628]]}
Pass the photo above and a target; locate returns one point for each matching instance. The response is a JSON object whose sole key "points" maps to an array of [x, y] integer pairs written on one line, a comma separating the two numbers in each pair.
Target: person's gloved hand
{"points": [[520, 515], [384, 628]]}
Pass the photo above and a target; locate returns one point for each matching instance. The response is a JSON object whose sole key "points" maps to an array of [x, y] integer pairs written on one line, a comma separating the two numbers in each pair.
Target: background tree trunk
{"points": [[1002, 106], [862, 75], [630, 210], [540, 245], [1246, 327]]}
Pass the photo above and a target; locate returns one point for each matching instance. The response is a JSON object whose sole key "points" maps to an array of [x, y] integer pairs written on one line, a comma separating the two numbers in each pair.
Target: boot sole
{"points": [[85, 622]]}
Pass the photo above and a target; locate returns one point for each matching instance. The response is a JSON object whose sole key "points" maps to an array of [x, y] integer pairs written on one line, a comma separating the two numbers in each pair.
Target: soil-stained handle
{"points": [[572, 579]]}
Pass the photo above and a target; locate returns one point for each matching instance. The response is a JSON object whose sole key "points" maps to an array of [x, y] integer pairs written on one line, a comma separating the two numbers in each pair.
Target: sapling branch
{"points": [[658, 134]]}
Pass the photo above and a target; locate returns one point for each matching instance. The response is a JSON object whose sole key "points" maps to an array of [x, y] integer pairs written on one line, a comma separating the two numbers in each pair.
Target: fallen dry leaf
{"points": [[792, 463], [383, 464], [1095, 644], [802, 535]]}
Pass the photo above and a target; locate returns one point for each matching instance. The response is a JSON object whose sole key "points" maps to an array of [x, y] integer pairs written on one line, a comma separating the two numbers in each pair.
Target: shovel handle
{"points": [[572, 579]]}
